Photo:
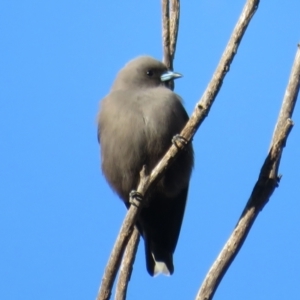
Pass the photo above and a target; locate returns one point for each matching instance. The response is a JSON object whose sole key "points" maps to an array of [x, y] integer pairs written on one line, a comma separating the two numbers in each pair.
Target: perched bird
{"points": [[136, 123]]}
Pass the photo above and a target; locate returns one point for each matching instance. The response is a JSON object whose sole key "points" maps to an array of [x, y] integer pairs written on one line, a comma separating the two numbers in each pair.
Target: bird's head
{"points": [[143, 71]]}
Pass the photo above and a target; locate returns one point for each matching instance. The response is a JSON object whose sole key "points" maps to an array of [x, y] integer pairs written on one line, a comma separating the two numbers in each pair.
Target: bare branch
{"points": [[289, 102], [174, 26], [267, 182], [170, 25], [121, 242], [204, 105], [166, 32], [199, 114], [290, 96], [126, 266], [173, 22]]}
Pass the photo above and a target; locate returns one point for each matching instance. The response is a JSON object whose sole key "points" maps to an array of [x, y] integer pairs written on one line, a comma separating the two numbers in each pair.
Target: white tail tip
{"points": [[160, 268]]}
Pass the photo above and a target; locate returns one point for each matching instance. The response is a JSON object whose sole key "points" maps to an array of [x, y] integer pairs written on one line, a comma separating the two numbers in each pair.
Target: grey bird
{"points": [[136, 123]]}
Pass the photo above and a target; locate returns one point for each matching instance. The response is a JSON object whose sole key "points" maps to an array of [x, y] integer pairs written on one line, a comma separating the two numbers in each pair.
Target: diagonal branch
{"points": [[289, 101], [267, 182], [170, 26], [198, 116]]}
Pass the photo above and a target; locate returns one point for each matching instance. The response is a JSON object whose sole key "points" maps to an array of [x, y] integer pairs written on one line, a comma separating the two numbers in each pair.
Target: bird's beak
{"points": [[170, 75]]}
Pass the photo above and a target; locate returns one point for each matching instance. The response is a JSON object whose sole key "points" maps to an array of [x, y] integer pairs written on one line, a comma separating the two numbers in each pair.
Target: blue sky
{"points": [[58, 217]]}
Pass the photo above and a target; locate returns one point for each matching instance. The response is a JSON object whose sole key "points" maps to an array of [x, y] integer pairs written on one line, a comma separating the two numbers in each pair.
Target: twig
{"points": [[267, 182], [126, 266], [198, 116]]}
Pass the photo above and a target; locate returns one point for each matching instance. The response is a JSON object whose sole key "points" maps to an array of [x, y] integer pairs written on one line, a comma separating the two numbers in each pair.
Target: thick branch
{"points": [[262, 191], [199, 114]]}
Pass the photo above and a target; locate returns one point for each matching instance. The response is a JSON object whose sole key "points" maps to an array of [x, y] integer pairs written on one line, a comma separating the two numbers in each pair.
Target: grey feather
{"points": [[136, 123]]}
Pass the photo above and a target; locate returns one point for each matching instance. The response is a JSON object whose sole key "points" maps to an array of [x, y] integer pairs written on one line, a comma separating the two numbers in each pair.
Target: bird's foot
{"points": [[179, 141], [135, 198]]}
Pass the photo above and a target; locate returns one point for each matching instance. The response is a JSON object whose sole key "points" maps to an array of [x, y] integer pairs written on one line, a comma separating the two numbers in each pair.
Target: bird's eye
{"points": [[149, 73]]}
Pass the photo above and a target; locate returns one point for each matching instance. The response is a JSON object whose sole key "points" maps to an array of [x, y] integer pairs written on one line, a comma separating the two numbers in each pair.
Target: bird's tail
{"points": [[158, 260], [159, 223]]}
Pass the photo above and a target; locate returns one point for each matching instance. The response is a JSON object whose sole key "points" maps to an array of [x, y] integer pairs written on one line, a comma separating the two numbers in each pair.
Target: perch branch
{"points": [[129, 255], [267, 182], [198, 116]]}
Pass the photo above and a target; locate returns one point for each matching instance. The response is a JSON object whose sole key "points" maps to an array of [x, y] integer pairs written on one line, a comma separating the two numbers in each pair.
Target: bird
{"points": [[136, 123]]}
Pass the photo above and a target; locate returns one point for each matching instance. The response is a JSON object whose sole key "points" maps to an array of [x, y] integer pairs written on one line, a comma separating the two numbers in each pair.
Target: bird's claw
{"points": [[135, 198], [179, 139]]}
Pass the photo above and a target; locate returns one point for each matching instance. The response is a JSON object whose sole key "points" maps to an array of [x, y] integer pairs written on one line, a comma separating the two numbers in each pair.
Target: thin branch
{"points": [[204, 105], [126, 266], [289, 103], [166, 32], [170, 44], [170, 26], [267, 182], [174, 26], [114, 261], [291, 94], [148, 181]]}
